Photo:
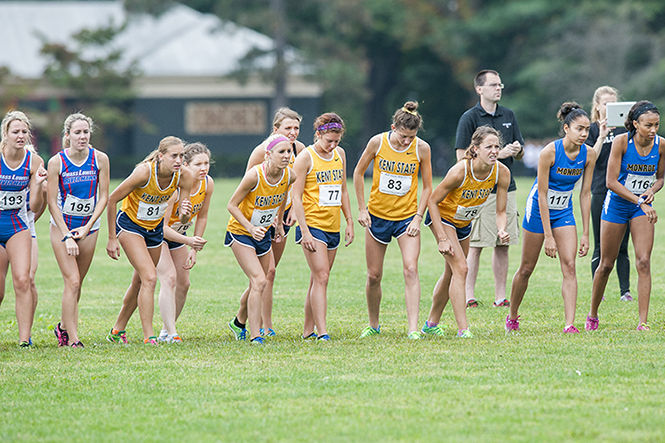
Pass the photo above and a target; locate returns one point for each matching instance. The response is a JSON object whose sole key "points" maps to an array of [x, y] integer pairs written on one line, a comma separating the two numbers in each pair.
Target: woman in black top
{"points": [[601, 137]]}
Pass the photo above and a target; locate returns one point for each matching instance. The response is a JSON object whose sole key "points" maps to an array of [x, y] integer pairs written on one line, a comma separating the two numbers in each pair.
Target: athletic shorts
{"points": [[262, 247], [462, 233], [31, 223], [173, 244], [383, 230], [484, 231], [10, 225], [284, 225], [619, 210], [153, 237], [558, 219], [330, 239]]}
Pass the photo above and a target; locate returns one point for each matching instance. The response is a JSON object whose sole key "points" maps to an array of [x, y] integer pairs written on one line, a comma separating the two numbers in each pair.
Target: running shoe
{"points": [[626, 296], [643, 327], [152, 340], [61, 335], [512, 325], [464, 333], [25, 344], [502, 303], [78, 344], [368, 331], [239, 334], [269, 333], [591, 323], [571, 330], [435, 330], [162, 335], [414, 335], [473, 303], [324, 337], [116, 336], [175, 338], [311, 336], [257, 341]]}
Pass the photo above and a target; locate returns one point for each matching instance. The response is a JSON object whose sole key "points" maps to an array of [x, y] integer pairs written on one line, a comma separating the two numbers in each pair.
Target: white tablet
{"points": [[617, 113]]}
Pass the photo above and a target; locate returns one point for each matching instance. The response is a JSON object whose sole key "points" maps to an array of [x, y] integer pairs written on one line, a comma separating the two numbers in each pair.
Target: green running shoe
{"points": [[116, 336], [238, 333], [435, 330], [414, 335], [368, 331], [464, 333]]}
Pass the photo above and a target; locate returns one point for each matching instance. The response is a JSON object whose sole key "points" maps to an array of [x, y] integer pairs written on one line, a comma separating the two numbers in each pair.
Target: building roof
{"points": [[181, 42]]}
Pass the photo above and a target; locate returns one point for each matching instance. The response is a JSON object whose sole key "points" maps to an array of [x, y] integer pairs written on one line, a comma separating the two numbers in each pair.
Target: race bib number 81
{"points": [[151, 212], [330, 195]]}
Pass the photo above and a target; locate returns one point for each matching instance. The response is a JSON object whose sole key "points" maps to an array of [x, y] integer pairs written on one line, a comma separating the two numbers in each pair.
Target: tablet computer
{"points": [[617, 113]]}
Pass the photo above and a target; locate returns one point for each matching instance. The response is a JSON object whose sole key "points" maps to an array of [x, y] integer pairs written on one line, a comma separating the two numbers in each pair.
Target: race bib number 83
{"points": [[394, 184]]}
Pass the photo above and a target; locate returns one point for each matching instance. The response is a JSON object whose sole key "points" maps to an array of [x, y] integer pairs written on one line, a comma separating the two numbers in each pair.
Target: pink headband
{"points": [[276, 141]]}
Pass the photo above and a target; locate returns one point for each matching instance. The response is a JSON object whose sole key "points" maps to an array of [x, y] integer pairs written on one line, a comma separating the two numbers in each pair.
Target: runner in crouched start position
{"points": [[549, 214], [256, 205], [635, 171], [78, 189], [178, 250], [139, 228], [318, 193], [393, 209], [455, 202]]}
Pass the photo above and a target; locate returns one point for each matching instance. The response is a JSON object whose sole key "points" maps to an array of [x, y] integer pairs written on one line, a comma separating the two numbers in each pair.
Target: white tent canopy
{"points": [[179, 43]]}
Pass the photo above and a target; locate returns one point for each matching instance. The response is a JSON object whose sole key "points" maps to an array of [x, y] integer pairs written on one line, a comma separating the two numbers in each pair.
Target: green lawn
{"points": [[538, 385]]}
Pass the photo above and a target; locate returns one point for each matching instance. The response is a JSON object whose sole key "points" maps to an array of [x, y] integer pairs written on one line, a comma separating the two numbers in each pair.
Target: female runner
{"points": [[138, 228], [78, 189], [549, 215], [287, 123], [456, 201], [176, 260], [600, 138], [256, 204], [318, 193], [20, 171], [635, 173], [393, 209]]}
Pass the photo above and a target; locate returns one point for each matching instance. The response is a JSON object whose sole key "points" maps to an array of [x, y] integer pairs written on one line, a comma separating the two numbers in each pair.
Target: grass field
{"points": [[538, 385]]}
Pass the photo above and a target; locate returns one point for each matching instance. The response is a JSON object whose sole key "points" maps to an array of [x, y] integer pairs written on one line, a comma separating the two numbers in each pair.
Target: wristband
{"points": [[419, 215], [69, 235], [640, 200]]}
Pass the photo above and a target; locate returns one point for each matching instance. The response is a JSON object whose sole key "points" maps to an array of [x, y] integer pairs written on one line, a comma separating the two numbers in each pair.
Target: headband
{"points": [[275, 141], [643, 109], [409, 111], [329, 126]]}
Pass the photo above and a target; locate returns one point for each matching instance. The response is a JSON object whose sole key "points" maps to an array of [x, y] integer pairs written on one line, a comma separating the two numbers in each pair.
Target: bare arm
{"points": [[248, 182], [359, 178], [346, 203], [585, 200], [139, 177], [545, 162], [453, 179], [501, 201]]}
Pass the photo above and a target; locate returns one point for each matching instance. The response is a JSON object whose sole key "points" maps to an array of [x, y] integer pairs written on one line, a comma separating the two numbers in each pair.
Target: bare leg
{"points": [[374, 255], [531, 246], [610, 240], [566, 244], [643, 234], [500, 269], [410, 247], [472, 262], [19, 253]]}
